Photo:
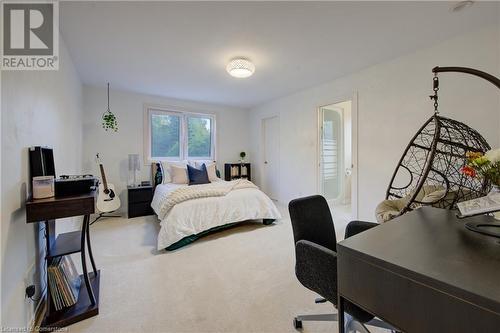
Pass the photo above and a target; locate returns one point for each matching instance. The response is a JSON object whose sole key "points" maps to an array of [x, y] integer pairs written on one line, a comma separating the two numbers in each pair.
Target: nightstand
{"points": [[236, 171], [139, 201]]}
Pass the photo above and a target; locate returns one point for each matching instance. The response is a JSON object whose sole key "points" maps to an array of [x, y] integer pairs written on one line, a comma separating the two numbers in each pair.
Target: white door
{"points": [[270, 132], [331, 153], [336, 152]]}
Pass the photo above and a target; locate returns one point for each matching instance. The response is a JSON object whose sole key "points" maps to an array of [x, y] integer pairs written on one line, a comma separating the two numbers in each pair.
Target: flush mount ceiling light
{"points": [[240, 67], [461, 5]]}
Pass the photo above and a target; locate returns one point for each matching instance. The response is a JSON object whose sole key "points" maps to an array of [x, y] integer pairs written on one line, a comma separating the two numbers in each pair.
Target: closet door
{"points": [[270, 132]]}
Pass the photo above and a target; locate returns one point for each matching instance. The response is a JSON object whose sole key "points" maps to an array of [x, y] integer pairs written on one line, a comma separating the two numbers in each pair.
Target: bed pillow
{"points": [[211, 169], [167, 169], [178, 175], [198, 176]]}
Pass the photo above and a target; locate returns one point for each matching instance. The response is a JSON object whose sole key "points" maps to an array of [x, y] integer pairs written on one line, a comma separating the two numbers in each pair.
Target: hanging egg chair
{"points": [[429, 172]]}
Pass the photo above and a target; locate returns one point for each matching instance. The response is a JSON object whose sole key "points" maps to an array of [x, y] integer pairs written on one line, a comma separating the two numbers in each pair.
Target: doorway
{"points": [[271, 149], [336, 159]]}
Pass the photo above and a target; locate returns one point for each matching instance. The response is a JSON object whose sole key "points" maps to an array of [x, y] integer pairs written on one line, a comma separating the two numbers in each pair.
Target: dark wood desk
{"points": [[47, 210], [423, 272]]}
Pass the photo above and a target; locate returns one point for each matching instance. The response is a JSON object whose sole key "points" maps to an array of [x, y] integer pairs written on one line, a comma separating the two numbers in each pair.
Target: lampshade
{"points": [[134, 162], [240, 68]]}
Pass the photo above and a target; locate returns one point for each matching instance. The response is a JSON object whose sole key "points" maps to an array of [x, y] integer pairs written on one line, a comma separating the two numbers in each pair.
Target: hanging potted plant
{"points": [[109, 121], [242, 156]]}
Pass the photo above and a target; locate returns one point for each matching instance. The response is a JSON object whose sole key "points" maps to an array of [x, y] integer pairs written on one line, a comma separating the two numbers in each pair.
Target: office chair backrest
{"points": [[312, 221]]}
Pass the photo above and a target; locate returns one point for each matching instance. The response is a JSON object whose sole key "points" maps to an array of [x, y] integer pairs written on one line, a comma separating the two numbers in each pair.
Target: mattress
{"points": [[197, 216]]}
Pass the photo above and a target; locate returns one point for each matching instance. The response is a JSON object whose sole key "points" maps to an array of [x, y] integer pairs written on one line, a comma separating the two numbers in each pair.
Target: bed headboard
{"points": [[157, 173]]}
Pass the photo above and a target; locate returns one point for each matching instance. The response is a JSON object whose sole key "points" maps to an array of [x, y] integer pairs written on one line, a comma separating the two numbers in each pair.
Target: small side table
{"points": [[47, 211], [139, 201], [238, 171]]}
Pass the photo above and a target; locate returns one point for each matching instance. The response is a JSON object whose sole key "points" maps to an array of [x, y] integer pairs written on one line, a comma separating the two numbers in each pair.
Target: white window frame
{"points": [[150, 110]]}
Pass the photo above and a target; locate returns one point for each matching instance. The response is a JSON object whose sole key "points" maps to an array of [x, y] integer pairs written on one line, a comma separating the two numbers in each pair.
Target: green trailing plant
{"points": [[109, 121]]}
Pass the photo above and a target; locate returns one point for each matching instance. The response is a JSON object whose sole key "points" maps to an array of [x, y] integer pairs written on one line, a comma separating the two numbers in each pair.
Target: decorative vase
{"points": [[495, 191]]}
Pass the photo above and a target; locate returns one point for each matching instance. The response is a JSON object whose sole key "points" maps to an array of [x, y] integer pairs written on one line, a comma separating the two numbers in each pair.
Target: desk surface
{"points": [[60, 207], [89, 195], [432, 247]]}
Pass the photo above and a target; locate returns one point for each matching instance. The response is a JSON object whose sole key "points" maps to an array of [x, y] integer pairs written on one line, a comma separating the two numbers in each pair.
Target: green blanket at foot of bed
{"points": [[189, 239]]}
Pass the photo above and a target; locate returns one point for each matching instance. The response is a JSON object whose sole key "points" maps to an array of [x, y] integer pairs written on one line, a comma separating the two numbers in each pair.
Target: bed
{"points": [[187, 213]]}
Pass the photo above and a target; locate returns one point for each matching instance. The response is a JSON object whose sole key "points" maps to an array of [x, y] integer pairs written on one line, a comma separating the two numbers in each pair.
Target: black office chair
{"points": [[316, 260]]}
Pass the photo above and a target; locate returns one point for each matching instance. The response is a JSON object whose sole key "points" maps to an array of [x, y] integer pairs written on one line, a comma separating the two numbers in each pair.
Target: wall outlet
{"points": [[30, 291], [29, 280]]}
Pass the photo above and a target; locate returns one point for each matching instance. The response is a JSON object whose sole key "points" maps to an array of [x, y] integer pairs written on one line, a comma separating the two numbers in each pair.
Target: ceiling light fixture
{"points": [[240, 68], [461, 5]]}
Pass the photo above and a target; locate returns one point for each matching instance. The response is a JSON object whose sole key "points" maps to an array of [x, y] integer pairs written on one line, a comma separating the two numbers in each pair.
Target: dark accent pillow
{"points": [[198, 176], [158, 175]]}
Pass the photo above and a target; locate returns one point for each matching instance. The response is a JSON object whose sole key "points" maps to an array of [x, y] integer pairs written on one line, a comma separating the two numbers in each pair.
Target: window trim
{"points": [[151, 109]]}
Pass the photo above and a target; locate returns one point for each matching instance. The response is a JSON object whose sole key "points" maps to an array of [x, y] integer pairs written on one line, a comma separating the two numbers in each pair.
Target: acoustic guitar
{"points": [[107, 200]]}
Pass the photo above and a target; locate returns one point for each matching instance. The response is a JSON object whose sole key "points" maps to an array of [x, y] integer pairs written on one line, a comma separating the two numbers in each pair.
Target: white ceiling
{"points": [[180, 49]]}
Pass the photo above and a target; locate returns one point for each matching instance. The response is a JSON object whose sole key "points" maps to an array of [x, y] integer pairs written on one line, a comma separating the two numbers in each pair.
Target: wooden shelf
{"points": [[83, 309], [66, 243], [59, 207], [228, 174], [47, 211]]}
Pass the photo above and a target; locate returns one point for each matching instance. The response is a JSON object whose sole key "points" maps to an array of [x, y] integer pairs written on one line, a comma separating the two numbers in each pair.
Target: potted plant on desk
{"points": [[485, 166]]}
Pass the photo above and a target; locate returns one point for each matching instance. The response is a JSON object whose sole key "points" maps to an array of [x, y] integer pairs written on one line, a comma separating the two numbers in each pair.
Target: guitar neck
{"points": [[103, 176]]}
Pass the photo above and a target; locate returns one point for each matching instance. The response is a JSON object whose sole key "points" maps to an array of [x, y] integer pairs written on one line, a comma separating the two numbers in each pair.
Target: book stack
{"points": [[64, 282], [483, 205], [235, 172]]}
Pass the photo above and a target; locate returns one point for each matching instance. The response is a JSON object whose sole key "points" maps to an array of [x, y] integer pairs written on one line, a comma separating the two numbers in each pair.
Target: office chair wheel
{"points": [[297, 324]]}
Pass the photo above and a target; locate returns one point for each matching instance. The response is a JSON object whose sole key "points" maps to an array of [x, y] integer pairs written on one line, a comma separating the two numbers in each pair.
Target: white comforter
{"points": [[196, 215]]}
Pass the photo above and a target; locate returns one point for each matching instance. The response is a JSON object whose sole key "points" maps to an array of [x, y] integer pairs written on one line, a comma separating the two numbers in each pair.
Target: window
{"points": [[165, 135], [176, 135], [199, 137]]}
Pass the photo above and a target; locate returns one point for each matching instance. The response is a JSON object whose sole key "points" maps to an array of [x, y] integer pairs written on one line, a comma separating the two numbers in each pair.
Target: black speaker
{"points": [[41, 161]]}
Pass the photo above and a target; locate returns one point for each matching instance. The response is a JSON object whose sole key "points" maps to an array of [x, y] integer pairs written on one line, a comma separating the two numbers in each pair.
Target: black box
{"points": [[68, 187], [41, 163]]}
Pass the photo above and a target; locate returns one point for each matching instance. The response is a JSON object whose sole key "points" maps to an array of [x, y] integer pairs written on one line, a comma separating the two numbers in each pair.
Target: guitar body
{"points": [[107, 201]]}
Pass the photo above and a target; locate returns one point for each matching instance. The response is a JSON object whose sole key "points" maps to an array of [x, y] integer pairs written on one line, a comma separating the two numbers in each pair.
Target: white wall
{"points": [[498, 46], [393, 102], [113, 148], [38, 108]]}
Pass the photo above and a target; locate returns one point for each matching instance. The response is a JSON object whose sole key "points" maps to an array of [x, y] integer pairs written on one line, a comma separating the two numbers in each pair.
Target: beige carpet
{"points": [[238, 280]]}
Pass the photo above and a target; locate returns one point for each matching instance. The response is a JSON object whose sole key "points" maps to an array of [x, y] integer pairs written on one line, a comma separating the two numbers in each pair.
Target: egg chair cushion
{"points": [[429, 194], [389, 209]]}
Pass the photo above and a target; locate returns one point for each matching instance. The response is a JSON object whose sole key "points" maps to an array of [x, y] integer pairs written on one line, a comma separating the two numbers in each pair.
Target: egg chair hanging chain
{"points": [[435, 85], [488, 77]]}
